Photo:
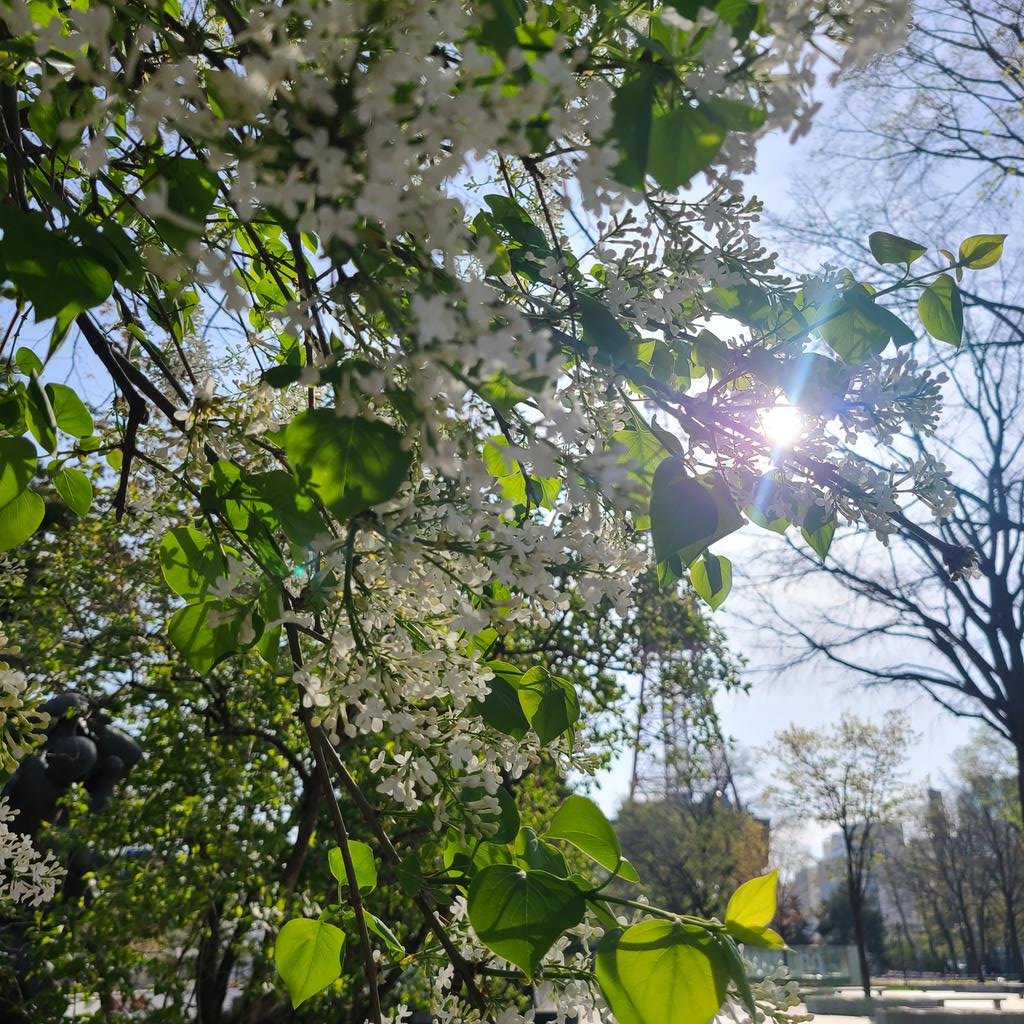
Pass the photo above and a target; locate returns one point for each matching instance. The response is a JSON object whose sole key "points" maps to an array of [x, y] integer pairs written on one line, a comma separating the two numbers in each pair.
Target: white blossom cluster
{"points": [[22, 725], [26, 875]]}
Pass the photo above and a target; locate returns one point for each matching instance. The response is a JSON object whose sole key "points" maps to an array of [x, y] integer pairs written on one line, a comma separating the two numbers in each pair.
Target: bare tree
{"points": [[988, 810], [961, 868]]}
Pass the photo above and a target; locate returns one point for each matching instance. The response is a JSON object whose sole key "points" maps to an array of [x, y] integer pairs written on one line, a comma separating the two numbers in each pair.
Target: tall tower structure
{"points": [[678, 752]]}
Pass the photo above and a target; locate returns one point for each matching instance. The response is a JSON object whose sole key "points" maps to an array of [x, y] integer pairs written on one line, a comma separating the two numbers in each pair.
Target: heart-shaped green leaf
{"points": [[519, 914], [941, 310], [689, 513], [581, 822], [660, 972], [888, 248], [351, 464], [308, 956]]}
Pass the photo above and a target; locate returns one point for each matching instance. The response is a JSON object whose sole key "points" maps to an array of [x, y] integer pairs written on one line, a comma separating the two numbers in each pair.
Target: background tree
{"points": [[958, 876], [836, 923], [849, 777]]}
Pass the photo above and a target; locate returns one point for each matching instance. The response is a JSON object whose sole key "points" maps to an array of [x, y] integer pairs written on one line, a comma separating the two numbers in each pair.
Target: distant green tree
{"points": [[692, 855], [837, 928]]}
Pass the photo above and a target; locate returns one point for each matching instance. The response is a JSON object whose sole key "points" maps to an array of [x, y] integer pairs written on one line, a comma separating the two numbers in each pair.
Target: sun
{"points": [[782, 425]]}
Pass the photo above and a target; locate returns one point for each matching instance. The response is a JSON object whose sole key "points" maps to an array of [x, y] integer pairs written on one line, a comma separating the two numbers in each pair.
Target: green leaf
{"points": [[765, 938], [59, 278], [736, 116], [684, 141], [191, 562], [980, 251], [20, 518], [39, 413], [409, 872], [475, 857], [818, 529], [69, 411], [753, 904], [363, 864], [205, 644], [499, 28], [655, 971], [519, 914], [581, 822], [395, 949], [882, 318], [308, 957], [74, 488], [549, 703], [632, 110], [602, 330], [191, 193], [497, 459], [763, 505], [852, 329], [295, 512], [27, 361], [689, 513], [941, 310], [641, 451], [268, 603], [737, 972], [501, 708], [888, 248], [533, 852], [17, 466], [711, 577], [350, 464], [509, 219]]}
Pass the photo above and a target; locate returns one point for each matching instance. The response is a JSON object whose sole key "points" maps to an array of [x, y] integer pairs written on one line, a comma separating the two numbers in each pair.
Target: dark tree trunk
{"points": [[211, 978], [857, 914], [1013, 935]]}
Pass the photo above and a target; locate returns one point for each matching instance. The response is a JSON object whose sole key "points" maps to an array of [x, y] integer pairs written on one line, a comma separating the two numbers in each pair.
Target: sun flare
{"points": [[782, 425]]}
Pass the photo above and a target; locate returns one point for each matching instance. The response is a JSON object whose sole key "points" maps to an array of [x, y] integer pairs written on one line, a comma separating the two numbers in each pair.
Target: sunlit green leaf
{"points": [[656, 970], [711, 576], [350, 464], [74, 488], [753, 904], [888, 248], [69, 410], [191, 562], [307, 955], [17, 465], [941, 310], [363, 864], [519, 914], [206, 632], [582, 823], [980, 251], [20, 518]]}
